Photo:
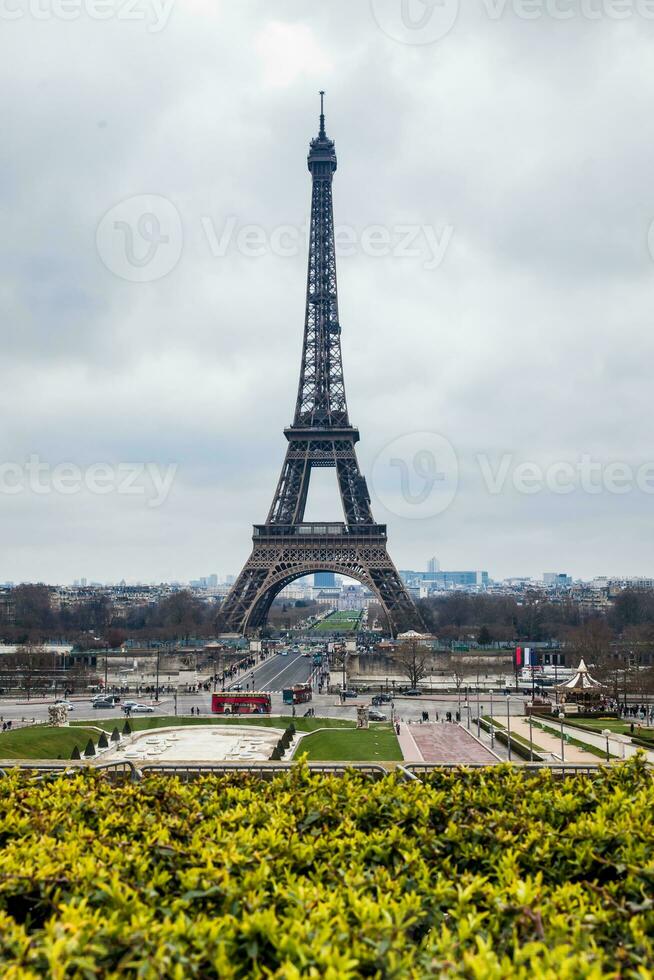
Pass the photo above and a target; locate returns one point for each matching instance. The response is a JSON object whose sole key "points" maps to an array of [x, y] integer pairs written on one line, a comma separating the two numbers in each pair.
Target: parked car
{"points": [[350, 694], [138, 707], [66, 704], [413, 692], [375, 715], [382, 699], [103, 704]]}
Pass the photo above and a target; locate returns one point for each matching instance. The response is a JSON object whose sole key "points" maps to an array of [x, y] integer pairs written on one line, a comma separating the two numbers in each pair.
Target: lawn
{"points": [[376, 744], [339, 622], [144, 723], [613, 725], [48, 742], [44, 742]]}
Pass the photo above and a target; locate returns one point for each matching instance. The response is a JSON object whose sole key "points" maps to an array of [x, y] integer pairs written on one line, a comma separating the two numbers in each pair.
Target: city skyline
{"points": [[494, 270]]}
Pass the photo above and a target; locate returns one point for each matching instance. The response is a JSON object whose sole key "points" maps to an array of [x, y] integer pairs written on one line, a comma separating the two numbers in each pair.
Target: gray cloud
{"points": [[532, 140]]}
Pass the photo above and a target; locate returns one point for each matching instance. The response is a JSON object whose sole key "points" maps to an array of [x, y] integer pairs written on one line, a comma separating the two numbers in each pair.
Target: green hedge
{"points": [[517, 748], [474, 873]]}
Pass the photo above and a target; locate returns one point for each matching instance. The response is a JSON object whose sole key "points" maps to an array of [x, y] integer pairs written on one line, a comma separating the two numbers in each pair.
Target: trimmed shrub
{"points": [[127, 728], [103, 742], [115, 735], [90, 748], [75, 754], [467, 873]]}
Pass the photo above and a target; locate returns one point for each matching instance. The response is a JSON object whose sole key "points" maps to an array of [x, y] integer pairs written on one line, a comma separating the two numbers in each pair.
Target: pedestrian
{"points": [[397, 728], [631, 728]]}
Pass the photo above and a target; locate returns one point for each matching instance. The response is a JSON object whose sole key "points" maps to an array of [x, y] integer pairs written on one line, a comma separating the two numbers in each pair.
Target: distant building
{"points": [[557, 580], [433, 565], [435, 581], [324, 580]]}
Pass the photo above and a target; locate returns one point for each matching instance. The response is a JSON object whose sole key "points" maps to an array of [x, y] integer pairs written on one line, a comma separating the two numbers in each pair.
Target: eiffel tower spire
{"points": [[285, 547], [321, 392]]}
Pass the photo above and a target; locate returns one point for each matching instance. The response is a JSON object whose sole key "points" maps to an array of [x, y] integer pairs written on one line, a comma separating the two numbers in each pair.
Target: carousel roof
{"points": [[582, 681]]}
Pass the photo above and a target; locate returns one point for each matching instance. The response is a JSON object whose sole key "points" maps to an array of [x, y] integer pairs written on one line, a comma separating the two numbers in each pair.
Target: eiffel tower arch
{"points": [[286, 547]]}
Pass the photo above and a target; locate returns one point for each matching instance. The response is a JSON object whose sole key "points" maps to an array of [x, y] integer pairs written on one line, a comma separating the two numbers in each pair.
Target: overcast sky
{"points": [[496, 283]]}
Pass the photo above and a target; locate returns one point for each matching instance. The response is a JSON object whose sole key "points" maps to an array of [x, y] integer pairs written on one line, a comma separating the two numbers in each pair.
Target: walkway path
{"points": [[619, 745], [550, 743], [442, 742]]}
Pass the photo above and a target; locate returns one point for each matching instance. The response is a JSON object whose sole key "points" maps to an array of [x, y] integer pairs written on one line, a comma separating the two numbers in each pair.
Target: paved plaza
{"points": [[442, 742], [200, 743]]}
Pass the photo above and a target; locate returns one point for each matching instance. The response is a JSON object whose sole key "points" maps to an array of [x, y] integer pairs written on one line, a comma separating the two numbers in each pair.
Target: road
{"points": [[276, 673]]}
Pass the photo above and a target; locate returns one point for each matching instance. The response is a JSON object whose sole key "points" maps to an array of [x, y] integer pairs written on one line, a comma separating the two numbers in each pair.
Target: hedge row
{"points": [[480, 874], [517, 748]]}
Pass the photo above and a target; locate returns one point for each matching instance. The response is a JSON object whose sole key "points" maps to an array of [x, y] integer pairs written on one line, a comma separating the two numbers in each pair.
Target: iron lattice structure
{"points": [[285, 547]]}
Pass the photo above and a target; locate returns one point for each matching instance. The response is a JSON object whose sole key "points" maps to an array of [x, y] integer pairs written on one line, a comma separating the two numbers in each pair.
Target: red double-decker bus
{"points": [[240, 703]]}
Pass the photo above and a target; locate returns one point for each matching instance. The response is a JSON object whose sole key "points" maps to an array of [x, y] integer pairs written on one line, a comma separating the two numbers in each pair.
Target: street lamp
{"points": [[607, 734], [531, 731], [508, 724], [562, 719]]}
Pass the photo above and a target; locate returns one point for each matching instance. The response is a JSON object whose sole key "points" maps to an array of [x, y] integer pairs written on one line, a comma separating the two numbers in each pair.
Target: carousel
{"points": [[581, 690]]}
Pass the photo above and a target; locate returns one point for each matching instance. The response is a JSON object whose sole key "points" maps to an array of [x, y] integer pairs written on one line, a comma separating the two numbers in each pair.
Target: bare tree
{"points": [[413, 661]]}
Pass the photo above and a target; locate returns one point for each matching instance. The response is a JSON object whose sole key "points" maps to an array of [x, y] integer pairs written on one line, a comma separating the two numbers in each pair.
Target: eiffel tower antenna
{"points": [[286, 547]]}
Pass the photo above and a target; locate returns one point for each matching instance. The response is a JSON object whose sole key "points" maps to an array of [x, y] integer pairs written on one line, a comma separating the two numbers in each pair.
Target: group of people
{"points": [[641, 711]]}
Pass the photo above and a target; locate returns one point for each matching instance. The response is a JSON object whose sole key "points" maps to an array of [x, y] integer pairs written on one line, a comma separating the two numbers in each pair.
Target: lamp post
{"points": [[467, 707], [531, 731], [607, 734], [562, 719], [508, 724]]}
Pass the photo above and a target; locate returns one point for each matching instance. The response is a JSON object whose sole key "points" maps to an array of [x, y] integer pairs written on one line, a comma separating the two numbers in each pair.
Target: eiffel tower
{"points": [[285, 547]]}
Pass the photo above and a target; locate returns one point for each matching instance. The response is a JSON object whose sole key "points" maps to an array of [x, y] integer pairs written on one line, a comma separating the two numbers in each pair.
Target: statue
{"points": [[362, 718], [58, 715]]}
